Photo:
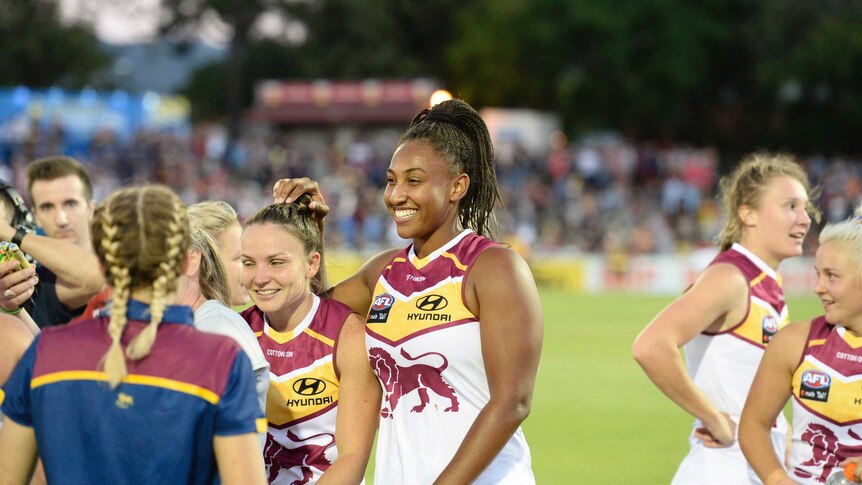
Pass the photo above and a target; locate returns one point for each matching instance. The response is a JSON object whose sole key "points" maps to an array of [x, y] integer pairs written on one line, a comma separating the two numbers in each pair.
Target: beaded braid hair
{"points": [[298, 220], [212, 275], [746, 184], [456, 131], [140, 236]]}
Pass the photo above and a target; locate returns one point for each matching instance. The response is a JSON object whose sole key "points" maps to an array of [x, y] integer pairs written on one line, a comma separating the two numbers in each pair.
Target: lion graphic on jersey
{"points": [[400, 380], [278, 458], [824, 444]]}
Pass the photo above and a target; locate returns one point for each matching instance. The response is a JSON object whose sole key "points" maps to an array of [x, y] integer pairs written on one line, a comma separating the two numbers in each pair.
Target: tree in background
{"points": [[36, 50], [780, 74], [735, 74]]}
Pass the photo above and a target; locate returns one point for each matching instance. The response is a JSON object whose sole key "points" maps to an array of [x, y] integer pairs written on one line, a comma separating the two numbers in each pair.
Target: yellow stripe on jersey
{"points": [[839, 401], [301, 395], [396, 260], [458, 264], [757, 280], [323, 338], [2, 396], [752, 328], [87, 375], [852, 340], [258, 334], [816, 342], [280, 337], [409, 316]]}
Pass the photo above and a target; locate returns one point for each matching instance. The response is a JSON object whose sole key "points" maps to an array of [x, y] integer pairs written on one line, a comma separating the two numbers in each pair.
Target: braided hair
{"points": [[140, 236], [456, 131]]}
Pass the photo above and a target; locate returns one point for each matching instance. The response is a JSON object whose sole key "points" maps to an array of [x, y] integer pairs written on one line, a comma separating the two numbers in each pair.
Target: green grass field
{"points": [[595, 413]]}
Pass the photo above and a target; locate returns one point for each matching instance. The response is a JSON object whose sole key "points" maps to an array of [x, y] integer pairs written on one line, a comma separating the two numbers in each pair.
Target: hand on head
{"points": [[288, 190]]}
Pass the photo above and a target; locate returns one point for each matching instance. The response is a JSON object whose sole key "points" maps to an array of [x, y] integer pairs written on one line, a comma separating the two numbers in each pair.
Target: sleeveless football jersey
{"points": [[303, 392], [425, 347], [723, 365], [827, 403]]}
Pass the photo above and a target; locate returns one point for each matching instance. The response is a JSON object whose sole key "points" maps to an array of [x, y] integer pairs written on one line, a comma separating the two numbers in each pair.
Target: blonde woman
{"points": [[219, 219], [204, 286], [137, 396], [819, 364], [728, 317]]}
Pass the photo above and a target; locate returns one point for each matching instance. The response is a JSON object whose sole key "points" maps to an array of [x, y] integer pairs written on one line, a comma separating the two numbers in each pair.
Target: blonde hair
{"points": [[746, 184], [212, 275], [848, 233], [140, 236], [214, 216]]}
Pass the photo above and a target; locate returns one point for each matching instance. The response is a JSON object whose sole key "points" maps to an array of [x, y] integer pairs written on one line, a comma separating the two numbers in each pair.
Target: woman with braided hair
{"points": [[139, 395], [454, 323]]}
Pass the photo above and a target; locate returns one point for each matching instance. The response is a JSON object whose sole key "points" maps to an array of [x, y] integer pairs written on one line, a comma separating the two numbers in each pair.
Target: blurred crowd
{"points": [[597, 194]]}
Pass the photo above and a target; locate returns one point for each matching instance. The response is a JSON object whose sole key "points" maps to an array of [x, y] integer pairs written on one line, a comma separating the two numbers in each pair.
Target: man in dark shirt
{"points": [[68, 272]]}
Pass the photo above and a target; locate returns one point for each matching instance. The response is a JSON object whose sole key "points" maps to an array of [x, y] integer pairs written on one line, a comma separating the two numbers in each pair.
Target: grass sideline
{"points": [[595, 414]]}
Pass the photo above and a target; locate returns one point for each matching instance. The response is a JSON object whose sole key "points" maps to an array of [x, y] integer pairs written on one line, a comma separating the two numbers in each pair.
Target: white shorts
{"points": [[722, 466]]}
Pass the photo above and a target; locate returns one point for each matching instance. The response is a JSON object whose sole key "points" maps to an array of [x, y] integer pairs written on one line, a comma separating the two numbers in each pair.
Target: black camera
{"points": [[22, 218]]}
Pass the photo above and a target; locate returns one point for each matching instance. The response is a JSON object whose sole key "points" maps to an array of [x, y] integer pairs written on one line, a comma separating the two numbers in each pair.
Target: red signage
{"points": [[332, 102]]}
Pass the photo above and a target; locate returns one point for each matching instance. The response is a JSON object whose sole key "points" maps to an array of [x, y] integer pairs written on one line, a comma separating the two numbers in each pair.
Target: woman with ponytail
{"points": [[323, 397], [137, 395], [453, 321]]}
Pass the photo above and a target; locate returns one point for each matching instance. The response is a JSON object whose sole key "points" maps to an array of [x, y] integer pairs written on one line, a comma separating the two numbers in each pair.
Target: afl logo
{"points": [[308, 386], [770, 325], [431, 303], [382, 302], [815, 379]]}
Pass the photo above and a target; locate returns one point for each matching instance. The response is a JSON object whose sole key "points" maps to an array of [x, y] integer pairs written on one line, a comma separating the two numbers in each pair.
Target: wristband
{"points": [[19, 236], [11, 312]]}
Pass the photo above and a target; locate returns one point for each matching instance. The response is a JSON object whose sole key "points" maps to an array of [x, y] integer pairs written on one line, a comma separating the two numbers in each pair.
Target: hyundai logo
{"points": [[430, 303], [308, 386]]}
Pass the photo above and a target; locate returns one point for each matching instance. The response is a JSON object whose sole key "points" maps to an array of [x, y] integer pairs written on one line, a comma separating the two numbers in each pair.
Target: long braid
{"points": [[139, 252], [458, 132], [114, 362], [165, 282]]}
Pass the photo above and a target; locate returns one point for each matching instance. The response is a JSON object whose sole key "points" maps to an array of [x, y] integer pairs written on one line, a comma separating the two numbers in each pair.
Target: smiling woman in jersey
{"points": [[819, 364], [323, 398], [454, 323], [725, 320]]}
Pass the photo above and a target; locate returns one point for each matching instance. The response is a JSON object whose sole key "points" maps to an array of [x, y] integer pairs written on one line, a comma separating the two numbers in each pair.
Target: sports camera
{"points": [[21, 217]]}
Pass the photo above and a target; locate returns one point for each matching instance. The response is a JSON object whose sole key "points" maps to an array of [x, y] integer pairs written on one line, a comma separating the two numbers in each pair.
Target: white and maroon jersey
{"points": [[425, 347], [827, 403], [723, 365], [302, 400]]}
